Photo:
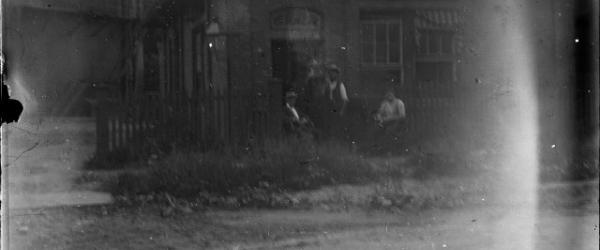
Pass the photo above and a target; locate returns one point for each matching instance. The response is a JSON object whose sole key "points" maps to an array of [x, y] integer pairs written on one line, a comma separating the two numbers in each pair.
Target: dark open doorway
{"points": [[290, 61]]}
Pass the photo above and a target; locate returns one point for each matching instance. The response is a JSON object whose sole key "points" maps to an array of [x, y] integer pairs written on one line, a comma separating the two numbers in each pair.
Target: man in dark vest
{"points": [[336, 99]]}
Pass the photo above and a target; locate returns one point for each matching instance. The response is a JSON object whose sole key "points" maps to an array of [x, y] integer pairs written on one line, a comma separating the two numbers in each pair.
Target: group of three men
{"points": [[328, 106]]}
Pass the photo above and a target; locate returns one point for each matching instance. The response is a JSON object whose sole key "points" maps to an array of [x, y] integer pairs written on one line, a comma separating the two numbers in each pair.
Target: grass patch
{"points": [[275, 166], [151, 149], [113, 160], [291, 173], [445, 192]]}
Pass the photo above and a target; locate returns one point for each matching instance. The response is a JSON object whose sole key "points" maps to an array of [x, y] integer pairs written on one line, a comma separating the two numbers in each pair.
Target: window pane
{"points": [[423, 43], [380, 43], [445, 72], [434, 42], [366, 32], [426, 72], [367, 43], [367, 52], [394, 35], [447, 43]]}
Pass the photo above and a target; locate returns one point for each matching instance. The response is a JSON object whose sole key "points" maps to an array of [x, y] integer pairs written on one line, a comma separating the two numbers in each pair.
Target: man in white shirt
{"points": [[294, 123], [391, 110], [389, 118]]}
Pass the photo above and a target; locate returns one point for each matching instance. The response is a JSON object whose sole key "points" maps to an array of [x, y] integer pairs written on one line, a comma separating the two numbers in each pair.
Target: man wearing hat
{"points": [[336, 100], [293, 123]]}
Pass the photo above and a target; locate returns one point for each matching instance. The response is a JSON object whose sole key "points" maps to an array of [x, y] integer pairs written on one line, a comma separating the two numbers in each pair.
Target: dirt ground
{"points": [[49, 210], [44, 158], [482, 227]]}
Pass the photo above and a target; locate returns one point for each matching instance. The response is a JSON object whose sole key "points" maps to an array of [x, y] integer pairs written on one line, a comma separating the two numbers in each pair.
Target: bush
{"points": [[113, 160], [451, 157], [150, 149], [343, 165], [273, 166]]}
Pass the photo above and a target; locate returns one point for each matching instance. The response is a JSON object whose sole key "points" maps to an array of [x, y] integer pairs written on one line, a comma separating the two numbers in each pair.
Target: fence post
{"points": [[275, 107], [101, 121]]}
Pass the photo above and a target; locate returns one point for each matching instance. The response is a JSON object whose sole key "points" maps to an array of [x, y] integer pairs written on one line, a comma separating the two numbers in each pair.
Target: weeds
{"points": [[267, 175], [113, 160], [263, 170], [446, 192]]}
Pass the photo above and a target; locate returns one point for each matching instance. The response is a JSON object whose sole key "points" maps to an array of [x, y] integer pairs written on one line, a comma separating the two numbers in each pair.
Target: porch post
{"points": [[101, 121], [275, 107]]}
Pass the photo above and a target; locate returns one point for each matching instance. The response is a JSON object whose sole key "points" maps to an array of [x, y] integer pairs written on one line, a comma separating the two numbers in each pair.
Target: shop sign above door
{"points": [[296, 23]]}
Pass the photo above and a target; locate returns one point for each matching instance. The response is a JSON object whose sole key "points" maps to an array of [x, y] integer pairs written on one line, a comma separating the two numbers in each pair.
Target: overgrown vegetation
{"points": [[441, 173], [272, 167], [150, 149]]}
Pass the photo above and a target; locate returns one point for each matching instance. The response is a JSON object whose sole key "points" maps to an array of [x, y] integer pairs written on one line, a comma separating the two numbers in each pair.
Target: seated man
{"points": [[388, 118], [293, 122], [391, 111]]}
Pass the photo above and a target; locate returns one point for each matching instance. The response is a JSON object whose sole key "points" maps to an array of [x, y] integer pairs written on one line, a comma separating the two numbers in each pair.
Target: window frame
{"points": [[440, 32], [440, 56], [373, 62]]}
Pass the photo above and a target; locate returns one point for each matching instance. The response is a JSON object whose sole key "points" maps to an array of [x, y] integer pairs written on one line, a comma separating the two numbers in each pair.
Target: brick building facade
{"points": [[437, 55], [408, 45]]}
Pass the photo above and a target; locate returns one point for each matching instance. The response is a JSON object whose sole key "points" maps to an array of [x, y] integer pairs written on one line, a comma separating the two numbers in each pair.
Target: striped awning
{"points": [[438, 19]]}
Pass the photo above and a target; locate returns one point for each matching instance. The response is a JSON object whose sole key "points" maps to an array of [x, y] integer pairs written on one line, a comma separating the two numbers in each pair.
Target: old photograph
{"points": [[300, 124]]}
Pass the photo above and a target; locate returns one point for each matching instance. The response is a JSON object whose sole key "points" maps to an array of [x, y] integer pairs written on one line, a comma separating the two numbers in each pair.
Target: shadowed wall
{"points": [[54, 56]]}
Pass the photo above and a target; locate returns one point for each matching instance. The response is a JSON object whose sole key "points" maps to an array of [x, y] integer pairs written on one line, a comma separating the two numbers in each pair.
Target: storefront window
{"points": [[435, 42], [381, 42], [435, 57], [436, 38]]}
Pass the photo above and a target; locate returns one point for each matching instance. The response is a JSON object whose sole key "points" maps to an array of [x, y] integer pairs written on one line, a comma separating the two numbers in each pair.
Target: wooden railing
{"points": [[221, 119], [214, 120]]}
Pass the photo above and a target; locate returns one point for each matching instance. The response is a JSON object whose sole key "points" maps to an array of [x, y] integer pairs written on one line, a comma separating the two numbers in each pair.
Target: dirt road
{"points": [[49, 212], [464, 229], [43, 159], [487, 227]]}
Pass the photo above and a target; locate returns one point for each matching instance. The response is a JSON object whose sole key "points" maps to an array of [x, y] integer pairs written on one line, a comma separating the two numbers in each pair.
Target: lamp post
{"points": [[218, 71]]}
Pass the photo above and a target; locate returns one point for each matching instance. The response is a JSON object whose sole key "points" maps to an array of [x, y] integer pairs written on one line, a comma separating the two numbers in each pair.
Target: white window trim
{"points": [[387, 22], [427, 54]]}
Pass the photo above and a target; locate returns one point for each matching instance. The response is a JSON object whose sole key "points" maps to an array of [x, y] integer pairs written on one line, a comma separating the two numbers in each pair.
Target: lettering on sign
{"points": [[296, 19]]}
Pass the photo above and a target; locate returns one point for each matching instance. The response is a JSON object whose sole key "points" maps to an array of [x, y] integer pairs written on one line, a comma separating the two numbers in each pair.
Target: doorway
{"points": [[290, 60]]}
